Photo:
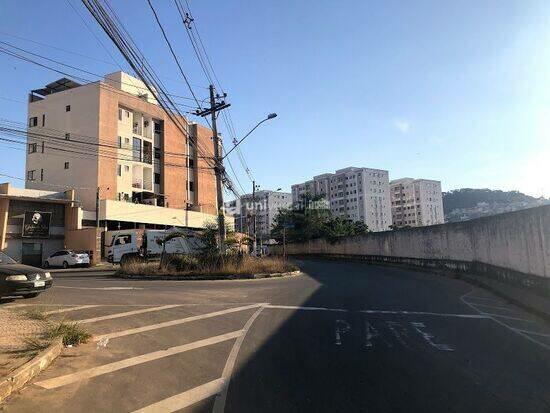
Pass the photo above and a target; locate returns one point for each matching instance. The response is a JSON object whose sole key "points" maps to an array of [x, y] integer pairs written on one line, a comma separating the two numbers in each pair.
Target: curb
{"points": [[22, 375], [73, 270], [206, 278]]}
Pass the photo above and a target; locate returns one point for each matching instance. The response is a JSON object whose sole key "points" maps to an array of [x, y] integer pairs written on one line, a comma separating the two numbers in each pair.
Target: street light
{"points": [[270, 116]]}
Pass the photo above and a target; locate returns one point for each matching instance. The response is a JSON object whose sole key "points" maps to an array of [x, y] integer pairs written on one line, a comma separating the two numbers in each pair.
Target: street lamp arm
{"points": [[270, 116]]}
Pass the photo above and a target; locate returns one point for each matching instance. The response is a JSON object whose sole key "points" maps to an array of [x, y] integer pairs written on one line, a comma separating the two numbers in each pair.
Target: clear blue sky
{"points": [[456, 91]]}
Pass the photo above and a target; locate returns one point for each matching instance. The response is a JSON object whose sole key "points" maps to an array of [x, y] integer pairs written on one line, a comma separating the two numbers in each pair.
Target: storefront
{"points": [[33, 223]]}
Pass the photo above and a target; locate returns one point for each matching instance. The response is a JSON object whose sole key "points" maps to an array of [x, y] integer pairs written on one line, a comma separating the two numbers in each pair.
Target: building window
{"points": [[119, 114], [30, 175], [33, 122], [66, 165], [126, 168], [136, 150], [157, 179], [119, 170], [119, 140], [32, 147], [157, 153], [68, 108], [42, 174], [191, 163], [191, 186], [43, 119], [42, 146], [67, 136]]}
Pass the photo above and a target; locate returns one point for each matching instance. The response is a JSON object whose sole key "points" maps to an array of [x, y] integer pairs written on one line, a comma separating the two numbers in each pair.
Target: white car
{"points": [[67, 258]]}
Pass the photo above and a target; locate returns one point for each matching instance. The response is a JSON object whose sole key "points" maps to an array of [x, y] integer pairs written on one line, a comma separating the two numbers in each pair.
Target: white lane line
{"points": [[494, 306], [172, 323], [291, 307], [133, 361], [99, 288], [507, 317], [531, 332], [524, 335], [185, 399], [126, 314], [219, 402], [485, 299], [65, 310], [406, 312]]}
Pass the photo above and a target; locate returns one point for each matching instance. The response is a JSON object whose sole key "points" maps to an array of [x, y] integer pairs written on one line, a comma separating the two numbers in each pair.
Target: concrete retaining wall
{"points": [[518, 242]]}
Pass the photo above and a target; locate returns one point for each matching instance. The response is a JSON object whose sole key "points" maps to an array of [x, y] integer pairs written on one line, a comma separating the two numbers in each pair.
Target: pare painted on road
{"points": [[389, 334]]}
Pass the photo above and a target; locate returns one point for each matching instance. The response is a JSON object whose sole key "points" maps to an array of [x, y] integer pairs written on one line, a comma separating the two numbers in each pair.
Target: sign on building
{"points": [[37, 224]]}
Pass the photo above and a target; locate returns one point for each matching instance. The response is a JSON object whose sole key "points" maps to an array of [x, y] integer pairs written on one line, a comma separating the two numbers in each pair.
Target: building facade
{"points": [[416, 202], [357, 194], [109, 140], [265, 205]]}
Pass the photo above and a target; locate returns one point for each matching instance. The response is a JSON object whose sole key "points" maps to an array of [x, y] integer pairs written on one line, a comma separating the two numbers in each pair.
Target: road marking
{"points": [[133, 361], [99, 288], [126, 314], [292, 307], [524, 335], [342, 327], [219, 402], [173, 322], [406, 312], [185, 399], [428, 337], [495, 307], [65, 310], [531, 332], [399, 332], [485, 299], [507, 317]]}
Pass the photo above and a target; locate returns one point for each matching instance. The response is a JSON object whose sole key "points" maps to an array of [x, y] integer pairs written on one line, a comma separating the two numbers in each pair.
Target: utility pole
{"points": [[254, 215], [218, 158]]}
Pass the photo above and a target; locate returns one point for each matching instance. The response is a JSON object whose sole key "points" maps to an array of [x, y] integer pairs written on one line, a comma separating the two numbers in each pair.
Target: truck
{"points": [[146, 244]]}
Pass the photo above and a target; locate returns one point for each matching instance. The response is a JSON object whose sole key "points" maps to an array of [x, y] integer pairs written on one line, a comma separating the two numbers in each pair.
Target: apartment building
{"points": [[110, 140], [357, 194], [265, 205], [416, 202]]}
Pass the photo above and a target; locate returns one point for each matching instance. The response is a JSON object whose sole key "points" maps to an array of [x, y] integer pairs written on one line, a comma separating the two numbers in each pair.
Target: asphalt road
{"points": [[342, 337]]}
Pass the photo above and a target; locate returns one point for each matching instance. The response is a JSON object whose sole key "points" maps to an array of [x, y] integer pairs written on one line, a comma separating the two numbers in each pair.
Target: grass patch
{"points": [[194, 266], [71, 333], [36, 313]]}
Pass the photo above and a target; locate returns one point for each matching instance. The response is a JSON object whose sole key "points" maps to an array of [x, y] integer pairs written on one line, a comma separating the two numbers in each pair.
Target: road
{"points": [[341, 337]]}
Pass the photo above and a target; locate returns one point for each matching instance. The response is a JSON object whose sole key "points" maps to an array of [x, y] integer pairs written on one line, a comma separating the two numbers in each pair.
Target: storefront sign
{"points": [[37, 224]]}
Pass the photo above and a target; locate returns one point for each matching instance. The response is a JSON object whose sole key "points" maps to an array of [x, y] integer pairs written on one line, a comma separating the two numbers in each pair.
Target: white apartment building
{"points": [[416, 202], [265, 206], [357, 194]]}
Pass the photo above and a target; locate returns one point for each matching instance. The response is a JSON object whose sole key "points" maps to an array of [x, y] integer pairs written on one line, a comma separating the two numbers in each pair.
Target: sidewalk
{"points": [[521, 297], [15, 328]]}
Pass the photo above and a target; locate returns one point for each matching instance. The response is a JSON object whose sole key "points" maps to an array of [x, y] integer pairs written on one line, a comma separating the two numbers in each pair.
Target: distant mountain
{"points": [[467, 203]]}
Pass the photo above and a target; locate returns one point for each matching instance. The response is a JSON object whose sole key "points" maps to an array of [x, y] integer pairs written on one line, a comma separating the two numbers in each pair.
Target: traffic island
{"points": [[189, 268]]}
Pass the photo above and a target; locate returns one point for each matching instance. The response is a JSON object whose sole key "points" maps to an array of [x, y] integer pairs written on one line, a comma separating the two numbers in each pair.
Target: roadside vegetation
{"points": [[234, 263], [70, 332], [231, 266], [310, 219]]}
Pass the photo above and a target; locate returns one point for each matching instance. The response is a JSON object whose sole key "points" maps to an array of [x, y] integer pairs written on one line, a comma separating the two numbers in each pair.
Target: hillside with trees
{"points": [[467, 203]]}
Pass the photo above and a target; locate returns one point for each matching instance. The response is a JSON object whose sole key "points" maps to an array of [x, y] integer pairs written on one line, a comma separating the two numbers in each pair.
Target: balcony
{"points": [[137, 183]]}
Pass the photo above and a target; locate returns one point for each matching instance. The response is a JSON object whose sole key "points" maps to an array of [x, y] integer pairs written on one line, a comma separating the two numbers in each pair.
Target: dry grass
{"points": [[244, 266], [36, 313]]}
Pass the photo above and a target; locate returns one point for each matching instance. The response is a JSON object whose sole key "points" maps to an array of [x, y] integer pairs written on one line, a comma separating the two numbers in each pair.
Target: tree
{"points": [[312, 219]]}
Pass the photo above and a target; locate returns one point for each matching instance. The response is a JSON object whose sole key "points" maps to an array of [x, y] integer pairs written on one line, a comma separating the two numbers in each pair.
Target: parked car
{"points": [[19, 279], [67, 258]]}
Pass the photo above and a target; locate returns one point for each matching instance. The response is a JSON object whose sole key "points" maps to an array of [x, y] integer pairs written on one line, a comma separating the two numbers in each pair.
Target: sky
{"points": [[453, 91]]}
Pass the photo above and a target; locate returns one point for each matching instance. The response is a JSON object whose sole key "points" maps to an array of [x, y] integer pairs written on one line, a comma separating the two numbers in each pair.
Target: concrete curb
{"points": [[22, 375], [71, 270], [206, 278]]}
